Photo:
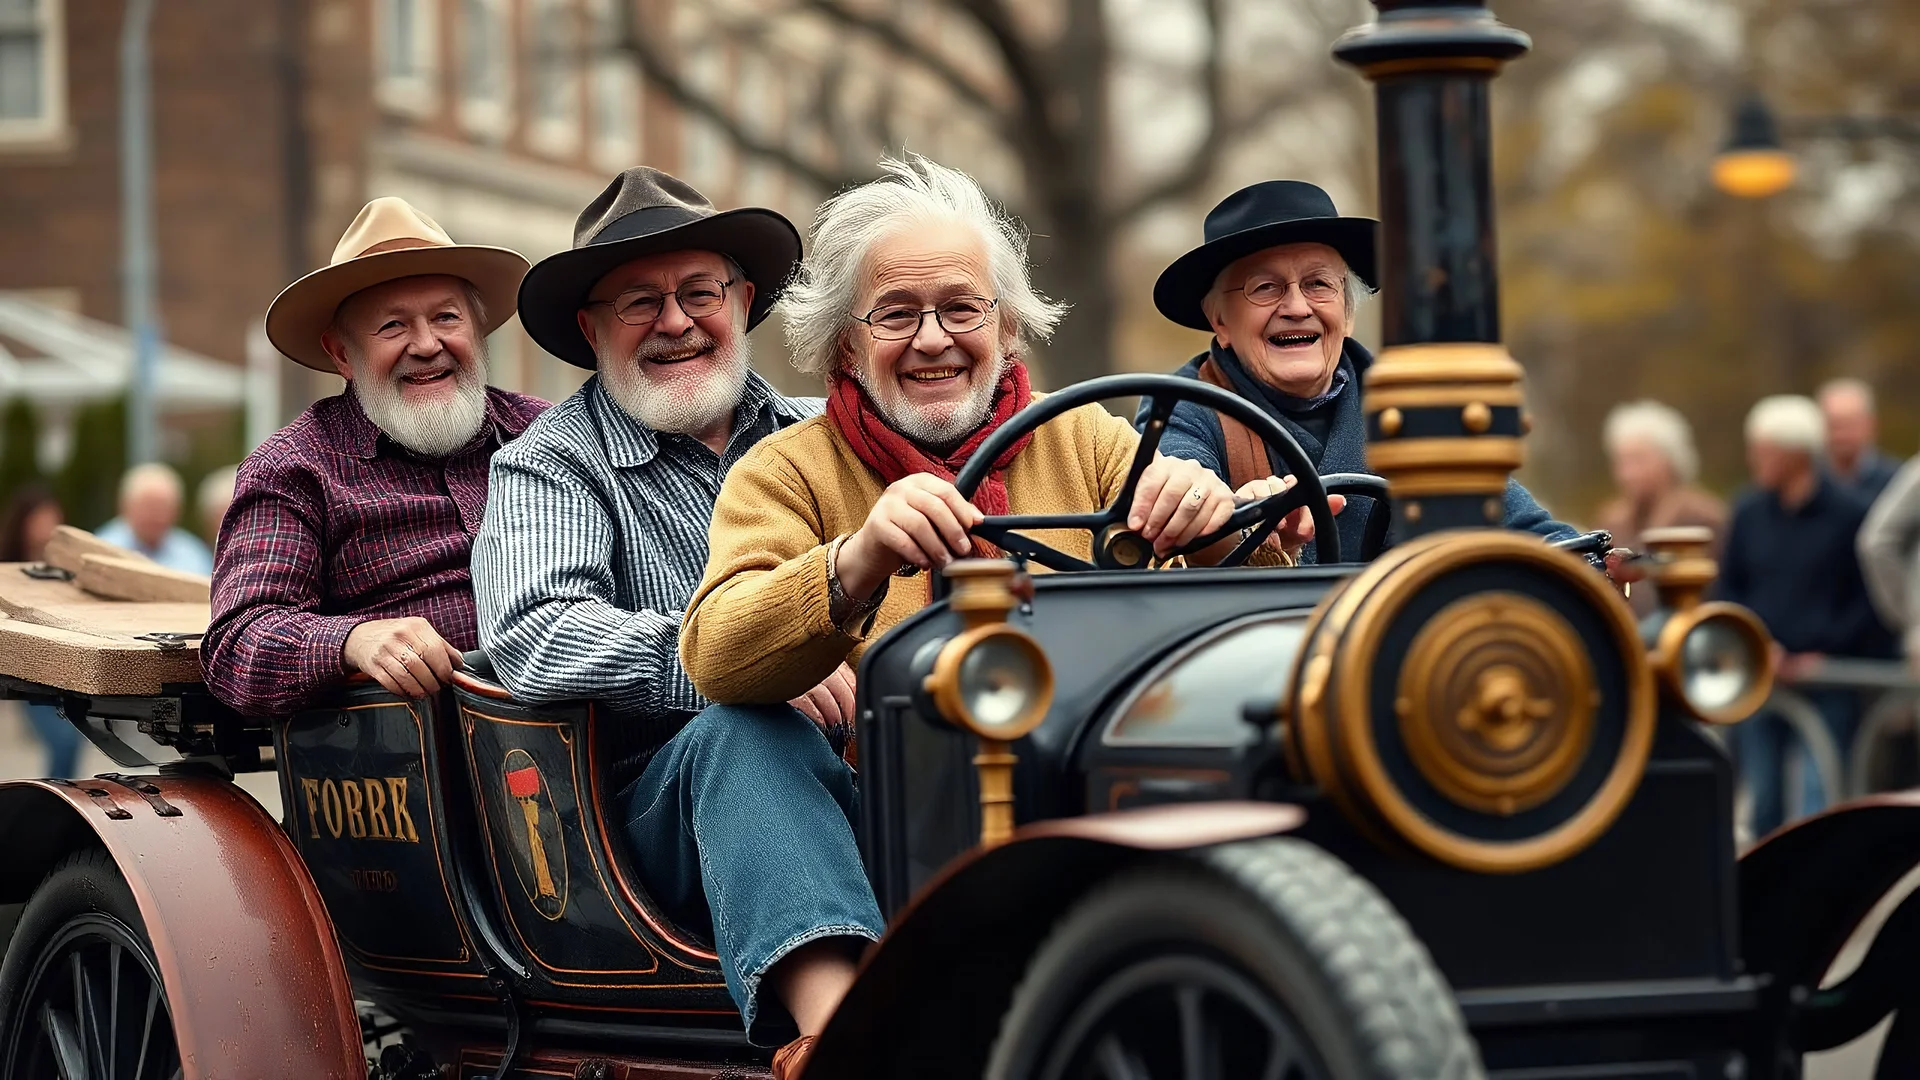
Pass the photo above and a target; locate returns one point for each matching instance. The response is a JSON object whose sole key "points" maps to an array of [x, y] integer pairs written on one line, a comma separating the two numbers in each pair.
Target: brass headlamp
{"points": [[1713, 657], [991, 679]]}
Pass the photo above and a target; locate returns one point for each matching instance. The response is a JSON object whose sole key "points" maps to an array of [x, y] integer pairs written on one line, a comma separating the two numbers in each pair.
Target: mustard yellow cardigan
{"points": [[757, 629]]}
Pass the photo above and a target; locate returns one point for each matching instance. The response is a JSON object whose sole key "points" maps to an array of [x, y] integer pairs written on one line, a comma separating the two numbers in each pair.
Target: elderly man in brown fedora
{"points": [[595, 537], [346, 546]]}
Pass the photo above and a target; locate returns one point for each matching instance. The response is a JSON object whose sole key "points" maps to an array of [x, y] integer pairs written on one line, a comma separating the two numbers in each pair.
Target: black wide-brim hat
{"points": [[1267, 214], [647, 212]]}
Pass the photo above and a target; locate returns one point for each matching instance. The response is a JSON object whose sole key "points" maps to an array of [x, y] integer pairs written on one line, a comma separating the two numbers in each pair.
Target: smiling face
{"points": [[675, 373], [1293, 345], [934, 387], [414, 354]]}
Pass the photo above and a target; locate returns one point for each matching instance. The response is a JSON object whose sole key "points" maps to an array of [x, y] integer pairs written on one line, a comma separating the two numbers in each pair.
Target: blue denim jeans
{"points": [[742, 830], [1763, 742], [61, 739]]}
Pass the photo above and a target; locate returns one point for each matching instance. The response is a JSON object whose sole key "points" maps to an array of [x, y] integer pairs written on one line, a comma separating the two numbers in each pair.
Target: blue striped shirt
{"points": [[594, 539]]}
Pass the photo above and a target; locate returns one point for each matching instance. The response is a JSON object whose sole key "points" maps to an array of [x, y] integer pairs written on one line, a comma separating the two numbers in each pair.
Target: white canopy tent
{"points": [[59, 359]]}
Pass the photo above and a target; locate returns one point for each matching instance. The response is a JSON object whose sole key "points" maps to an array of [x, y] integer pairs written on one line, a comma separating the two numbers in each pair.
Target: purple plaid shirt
{"points": [[332, 525]]}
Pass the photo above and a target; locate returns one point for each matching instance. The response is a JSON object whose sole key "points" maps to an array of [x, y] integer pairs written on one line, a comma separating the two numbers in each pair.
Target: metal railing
{"points": [[1844, 771]]}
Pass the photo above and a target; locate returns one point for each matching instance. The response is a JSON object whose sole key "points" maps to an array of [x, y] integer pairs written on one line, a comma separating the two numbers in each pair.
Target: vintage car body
{"points": [[1448, 812]]}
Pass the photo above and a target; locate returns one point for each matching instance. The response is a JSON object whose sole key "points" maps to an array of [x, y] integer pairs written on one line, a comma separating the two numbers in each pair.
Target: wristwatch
{"points": [[852, 617]]}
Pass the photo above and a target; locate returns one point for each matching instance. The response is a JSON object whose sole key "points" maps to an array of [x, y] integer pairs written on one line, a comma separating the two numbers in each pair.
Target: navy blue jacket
{"points": [[1798, 570], [1193, 432]]}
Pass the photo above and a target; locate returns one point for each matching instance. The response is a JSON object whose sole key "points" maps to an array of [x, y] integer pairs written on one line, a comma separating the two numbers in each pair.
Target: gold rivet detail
{"points": [[1494, 510], [1413, 511], [1477, 417], [1390, 420]]}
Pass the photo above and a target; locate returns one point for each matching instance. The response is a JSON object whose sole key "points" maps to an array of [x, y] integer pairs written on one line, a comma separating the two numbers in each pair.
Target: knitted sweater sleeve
{"points": [[757, 630]]}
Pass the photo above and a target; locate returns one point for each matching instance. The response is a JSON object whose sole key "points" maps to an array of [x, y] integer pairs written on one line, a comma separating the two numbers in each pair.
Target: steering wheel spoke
{"points": [[999, 532], [1161, 393]]}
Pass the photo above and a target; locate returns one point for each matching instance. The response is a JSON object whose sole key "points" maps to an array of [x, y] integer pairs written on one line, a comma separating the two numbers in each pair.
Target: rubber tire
{"points": [[84, 882], [1360, 987]]}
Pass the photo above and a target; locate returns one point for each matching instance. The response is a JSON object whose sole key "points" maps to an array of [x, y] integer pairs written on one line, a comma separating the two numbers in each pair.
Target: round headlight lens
{"points": [[1717, 665], [1000, 679]]}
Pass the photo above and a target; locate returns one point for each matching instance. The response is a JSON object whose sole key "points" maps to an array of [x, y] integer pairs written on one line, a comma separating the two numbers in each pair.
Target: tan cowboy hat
{"points": [[388, 241]]}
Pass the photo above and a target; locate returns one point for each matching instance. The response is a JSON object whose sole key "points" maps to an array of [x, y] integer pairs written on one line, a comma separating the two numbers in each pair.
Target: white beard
{"points": [[944, 424], [430, 430], [674, 404]]}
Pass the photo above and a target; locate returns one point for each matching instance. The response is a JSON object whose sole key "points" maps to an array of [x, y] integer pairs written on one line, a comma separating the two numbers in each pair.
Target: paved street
{"points": [[20, 755]]}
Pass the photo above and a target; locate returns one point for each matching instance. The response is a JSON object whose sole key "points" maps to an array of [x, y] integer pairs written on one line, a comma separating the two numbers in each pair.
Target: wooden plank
{"points": [[61, 604], [68, 544], [139, 580], [86, 664]]}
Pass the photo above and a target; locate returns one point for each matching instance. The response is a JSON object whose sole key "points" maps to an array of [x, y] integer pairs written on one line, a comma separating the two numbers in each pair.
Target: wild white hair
{"points": [[1356, 292], [1788, 421], [1659, 426], [819, 303]]}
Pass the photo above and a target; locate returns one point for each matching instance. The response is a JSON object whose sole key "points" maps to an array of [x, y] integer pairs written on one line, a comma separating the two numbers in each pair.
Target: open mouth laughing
{"points": [[1294, 339]]}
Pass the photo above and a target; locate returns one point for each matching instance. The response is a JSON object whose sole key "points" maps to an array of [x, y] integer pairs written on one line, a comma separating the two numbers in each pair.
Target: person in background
{"points": [[1853, 430], [1650, 447], [32, 515], [1790, 557], [212, 499], [150, 500], [1889, 547]]}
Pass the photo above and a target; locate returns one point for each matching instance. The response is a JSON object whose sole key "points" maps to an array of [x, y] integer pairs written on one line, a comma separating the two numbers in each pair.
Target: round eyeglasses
{"points": [[1267, 292], [697, 298], [895, 322]]}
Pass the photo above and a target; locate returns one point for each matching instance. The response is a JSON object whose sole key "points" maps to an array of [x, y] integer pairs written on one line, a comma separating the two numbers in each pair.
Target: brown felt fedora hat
{"points": [[645, 212], [388, 241]]}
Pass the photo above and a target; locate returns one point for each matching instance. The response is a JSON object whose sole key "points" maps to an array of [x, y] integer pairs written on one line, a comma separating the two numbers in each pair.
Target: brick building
{"points": [[275, 120]]}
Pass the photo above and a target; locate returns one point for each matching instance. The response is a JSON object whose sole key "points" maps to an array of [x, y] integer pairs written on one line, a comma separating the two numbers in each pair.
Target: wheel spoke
{"points": [[1199, 1046], [1117, 1062], [113, 1010], [86, 1000], [1156, 426], [1284, 1058], [1039, 551], [146, 1030], [69, 1057]]}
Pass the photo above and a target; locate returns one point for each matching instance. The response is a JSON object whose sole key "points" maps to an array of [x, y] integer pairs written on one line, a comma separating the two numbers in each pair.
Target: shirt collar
{"points": [[631, 443]]}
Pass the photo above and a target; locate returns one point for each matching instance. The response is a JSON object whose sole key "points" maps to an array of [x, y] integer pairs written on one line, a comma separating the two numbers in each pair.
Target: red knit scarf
{"points": [[894, 456]]}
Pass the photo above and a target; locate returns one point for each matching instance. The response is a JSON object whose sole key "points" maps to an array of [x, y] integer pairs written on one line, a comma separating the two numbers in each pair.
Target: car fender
{"points": [[246, 951], [1805, 888], [929, 997]]}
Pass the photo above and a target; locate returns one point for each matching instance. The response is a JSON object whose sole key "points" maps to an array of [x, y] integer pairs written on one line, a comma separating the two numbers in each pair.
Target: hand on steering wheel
{"points": [[1115, 544]]}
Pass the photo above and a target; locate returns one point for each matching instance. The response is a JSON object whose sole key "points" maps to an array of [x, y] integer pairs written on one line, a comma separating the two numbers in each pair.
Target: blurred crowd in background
{"points": [[1823, 543]]}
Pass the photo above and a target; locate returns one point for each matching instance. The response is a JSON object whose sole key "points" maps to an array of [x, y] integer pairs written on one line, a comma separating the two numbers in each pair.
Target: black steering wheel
{"points": [[1115, 547]]}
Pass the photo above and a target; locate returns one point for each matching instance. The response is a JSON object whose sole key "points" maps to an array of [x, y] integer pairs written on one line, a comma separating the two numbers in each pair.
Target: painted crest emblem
{"points": [[533, 835]]}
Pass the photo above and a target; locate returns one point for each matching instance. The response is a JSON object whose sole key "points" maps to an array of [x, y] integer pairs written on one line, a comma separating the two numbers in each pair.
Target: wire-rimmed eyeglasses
{"points": [[1267, 292], [698, 298], [894, 322]]}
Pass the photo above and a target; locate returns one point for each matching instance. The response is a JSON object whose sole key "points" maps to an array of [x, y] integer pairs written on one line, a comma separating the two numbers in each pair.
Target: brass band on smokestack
{"points": [[1444, 411]]}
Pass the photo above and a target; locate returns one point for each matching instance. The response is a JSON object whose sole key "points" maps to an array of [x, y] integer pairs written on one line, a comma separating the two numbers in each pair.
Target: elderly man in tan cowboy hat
{"points": [[346, 546]]}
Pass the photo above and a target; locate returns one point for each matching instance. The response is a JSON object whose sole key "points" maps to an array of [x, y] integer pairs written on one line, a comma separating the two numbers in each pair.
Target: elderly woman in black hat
{"points": [[1277, 282]]}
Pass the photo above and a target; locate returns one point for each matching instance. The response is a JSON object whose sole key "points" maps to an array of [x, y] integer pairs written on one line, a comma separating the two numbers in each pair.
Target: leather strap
{"points": [[1247, 459]]}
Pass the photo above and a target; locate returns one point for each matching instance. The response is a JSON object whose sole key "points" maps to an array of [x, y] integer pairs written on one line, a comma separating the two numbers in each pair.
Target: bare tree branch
{"points": [[890, 33], [1205, 157], [655, 68], [1023, 67]]}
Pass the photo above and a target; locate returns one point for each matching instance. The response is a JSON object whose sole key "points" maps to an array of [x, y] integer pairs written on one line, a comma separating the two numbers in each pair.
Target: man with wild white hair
{"points": [[1790, 557], [917, 309], [1650, 447], [150, 500], [1853, 429], [346, 545]]}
